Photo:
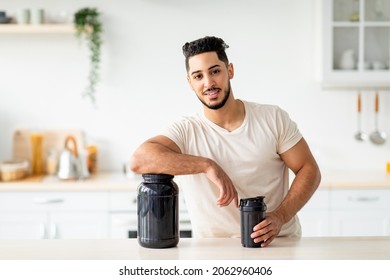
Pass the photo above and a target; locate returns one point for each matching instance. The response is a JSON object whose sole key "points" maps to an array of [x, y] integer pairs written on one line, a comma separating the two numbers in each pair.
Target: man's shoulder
{"points": [[262, 108], [188, 120]]}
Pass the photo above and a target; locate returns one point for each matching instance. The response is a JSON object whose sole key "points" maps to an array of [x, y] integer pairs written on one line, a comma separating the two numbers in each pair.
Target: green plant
{"points": [[88, 25]]}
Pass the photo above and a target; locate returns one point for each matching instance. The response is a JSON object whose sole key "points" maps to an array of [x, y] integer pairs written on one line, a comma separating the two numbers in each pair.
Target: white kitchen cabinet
{"points": [[347, 212], [123, 221], [123, 214], [49, 215], [78, 224], [314, 216], [356, 44], [23, 225], [363, 212]]}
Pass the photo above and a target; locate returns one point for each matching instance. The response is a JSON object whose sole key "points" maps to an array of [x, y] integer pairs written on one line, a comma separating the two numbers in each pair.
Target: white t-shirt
{"points": [[250, 157]]}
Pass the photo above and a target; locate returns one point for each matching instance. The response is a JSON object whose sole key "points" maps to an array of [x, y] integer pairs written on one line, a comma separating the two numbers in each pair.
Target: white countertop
{"points": [[116, 181], [355, 179], [313, 248], [103, 181]]}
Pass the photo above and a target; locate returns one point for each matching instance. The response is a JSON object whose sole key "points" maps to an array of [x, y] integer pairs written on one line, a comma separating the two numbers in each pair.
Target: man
{"points": [[234, 149]]}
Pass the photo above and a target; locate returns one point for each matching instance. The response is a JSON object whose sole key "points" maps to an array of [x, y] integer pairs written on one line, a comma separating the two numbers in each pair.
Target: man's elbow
{"points": [[135, 164]]}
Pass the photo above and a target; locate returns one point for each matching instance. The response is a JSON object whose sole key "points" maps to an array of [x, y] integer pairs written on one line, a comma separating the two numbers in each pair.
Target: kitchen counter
{"points": [[103, 181], [355, 179], [313, 248], [116, 181]]}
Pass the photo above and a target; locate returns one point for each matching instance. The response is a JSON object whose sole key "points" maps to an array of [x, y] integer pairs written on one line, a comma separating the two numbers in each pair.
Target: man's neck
{"points": [[230, 116]]}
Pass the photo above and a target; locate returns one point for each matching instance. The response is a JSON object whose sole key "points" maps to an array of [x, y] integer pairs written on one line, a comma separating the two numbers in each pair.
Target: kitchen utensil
{"points": [[69, 164], [377, 137], [360, 136]]}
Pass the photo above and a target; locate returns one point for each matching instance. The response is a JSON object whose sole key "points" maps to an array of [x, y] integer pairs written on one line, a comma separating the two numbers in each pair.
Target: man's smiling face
{"points": [[210, 78]]}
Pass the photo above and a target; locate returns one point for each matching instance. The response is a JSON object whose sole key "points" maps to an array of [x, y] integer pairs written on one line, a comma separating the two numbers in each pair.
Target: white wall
{"points": [[275, 47]]}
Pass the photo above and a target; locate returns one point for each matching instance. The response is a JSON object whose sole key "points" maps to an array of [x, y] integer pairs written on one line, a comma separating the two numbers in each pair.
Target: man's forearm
{"points": [[302, 188], [156, 158]]}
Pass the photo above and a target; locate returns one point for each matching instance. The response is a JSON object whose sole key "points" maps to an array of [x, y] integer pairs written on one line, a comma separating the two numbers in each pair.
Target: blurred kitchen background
{"points": [[275, 46]]}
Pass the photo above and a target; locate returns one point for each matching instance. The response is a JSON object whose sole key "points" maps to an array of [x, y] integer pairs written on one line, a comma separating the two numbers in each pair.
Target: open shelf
{"points": [[37, 29]]}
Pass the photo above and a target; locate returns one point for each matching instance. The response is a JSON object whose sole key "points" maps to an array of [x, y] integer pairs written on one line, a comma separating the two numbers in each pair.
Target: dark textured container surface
{"points": [[252, 211], [158, 211]]}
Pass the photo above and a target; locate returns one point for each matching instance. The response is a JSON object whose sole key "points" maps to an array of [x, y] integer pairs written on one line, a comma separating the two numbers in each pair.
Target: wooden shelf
{"points": [[37, 29]]}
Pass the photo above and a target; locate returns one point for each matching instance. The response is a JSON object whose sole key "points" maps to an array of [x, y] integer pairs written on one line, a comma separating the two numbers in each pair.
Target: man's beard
{"points": [[220, 104]]}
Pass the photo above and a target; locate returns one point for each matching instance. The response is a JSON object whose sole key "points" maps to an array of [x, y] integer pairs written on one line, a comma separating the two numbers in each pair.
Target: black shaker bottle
{"points": [[252, 212], [158, 211]]}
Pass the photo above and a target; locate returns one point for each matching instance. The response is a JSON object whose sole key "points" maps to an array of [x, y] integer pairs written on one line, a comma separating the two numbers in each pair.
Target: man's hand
{"points": [[227, 190], [267, 229]]}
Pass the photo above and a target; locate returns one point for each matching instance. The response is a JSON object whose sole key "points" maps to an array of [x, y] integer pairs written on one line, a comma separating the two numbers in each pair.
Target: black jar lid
{"points": [[253, 204], [158, 185], [153, 178]]}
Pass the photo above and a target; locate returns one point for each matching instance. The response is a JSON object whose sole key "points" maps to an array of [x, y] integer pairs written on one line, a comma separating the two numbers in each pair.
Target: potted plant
{"points": [[89, 26]]}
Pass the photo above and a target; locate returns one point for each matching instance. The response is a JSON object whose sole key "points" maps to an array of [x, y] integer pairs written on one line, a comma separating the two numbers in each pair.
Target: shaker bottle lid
{"points": [[253, 204]]}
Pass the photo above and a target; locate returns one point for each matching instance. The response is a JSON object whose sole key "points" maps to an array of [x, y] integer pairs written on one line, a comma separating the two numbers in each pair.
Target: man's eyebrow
{"points": [[197, 71]]}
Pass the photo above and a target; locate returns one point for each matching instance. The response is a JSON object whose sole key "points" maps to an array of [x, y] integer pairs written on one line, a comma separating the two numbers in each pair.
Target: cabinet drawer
{"points": [[319, 200], [123, 201], [127, 201], [43, 201], [360, 199]]}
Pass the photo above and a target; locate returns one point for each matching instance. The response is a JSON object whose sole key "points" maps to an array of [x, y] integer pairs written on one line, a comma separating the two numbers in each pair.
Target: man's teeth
{"points": [[212, 92]]}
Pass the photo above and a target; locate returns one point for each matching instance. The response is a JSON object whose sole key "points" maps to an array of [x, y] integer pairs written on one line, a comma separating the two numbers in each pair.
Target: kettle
{"points": [[70, 166]]}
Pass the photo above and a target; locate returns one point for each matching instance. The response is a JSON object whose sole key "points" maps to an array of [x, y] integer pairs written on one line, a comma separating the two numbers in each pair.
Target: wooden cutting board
{"points": [[52, 140]]}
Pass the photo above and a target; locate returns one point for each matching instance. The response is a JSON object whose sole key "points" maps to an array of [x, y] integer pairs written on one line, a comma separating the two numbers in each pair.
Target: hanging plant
{"points": [[88, 25]]}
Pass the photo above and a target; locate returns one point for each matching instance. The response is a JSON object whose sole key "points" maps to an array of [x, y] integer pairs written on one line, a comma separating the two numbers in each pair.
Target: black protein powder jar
{"points": [[158, 211], [252, 211]]}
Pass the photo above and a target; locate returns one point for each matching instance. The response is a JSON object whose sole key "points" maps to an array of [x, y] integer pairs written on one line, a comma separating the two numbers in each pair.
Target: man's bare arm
{"points": [[161, 155], [307, 178]]}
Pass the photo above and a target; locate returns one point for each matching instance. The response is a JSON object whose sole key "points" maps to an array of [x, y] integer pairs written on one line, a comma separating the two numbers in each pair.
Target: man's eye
{"points": [[198, 77], [216, 71]]}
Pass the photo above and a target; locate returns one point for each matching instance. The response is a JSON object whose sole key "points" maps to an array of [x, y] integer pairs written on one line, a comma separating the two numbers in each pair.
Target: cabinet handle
{"points": [[124, 222], [363, 199], [43, 200]]}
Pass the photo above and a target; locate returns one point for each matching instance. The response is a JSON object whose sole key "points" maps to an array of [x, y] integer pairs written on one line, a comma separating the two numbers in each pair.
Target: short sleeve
{"points": [[176, 132], [289, 134]]}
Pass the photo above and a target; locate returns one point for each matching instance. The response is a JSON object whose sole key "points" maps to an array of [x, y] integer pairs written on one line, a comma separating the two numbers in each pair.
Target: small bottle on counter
{"points": [[91, 158], [52, 162], [37, 162]]}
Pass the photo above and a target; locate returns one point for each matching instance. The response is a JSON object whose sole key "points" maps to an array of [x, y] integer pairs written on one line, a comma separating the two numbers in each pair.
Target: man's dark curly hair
{"points": [[206, 44]]}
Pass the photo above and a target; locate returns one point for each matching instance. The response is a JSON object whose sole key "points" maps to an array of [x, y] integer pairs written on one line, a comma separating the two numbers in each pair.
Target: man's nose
{"points": [[209, 81]]}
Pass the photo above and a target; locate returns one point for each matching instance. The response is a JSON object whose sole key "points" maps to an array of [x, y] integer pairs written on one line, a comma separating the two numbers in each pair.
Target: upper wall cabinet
{"points": [[356, 44]]}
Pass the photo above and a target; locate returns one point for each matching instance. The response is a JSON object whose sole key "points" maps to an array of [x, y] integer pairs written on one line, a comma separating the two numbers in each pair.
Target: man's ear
{"points": [[231, 71]]}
